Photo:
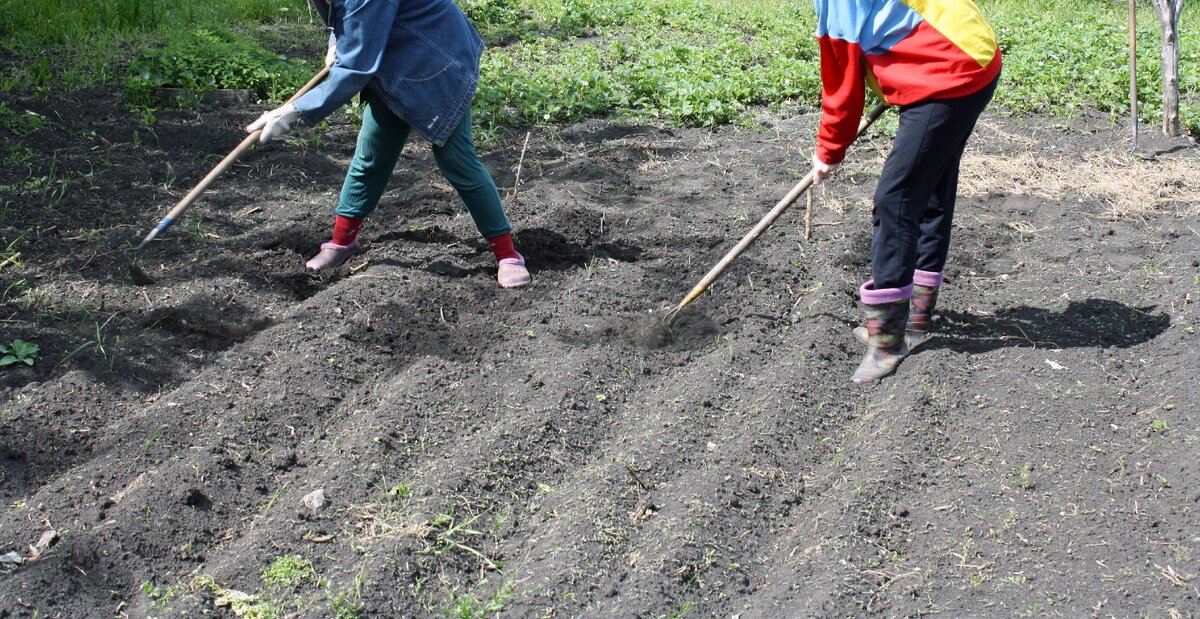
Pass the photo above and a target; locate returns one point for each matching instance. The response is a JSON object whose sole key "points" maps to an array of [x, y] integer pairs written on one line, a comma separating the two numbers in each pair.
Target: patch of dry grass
{"points": [[380, 521], [1128, 185]]}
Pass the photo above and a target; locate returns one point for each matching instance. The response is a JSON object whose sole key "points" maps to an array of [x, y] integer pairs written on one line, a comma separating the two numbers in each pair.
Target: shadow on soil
{"points": [[556, 252], [1090, 323]]}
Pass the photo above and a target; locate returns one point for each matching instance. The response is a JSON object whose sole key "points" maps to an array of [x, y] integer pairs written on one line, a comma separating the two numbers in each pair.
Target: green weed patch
{"points": [[203, 61], [692, 62], [706, 62], [684, 61], [1081, 62], [20, 124]]}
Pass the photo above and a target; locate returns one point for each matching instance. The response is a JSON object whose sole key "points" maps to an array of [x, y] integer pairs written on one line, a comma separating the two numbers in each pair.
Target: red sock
{"points": [[345, 229], [502, 246]]}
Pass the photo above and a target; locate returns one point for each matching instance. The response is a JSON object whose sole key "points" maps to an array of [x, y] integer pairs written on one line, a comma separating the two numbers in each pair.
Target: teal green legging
{"points": [[380, 141]]}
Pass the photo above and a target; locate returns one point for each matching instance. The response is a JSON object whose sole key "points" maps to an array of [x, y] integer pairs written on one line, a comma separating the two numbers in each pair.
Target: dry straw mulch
{"points": [[1129, 184]]}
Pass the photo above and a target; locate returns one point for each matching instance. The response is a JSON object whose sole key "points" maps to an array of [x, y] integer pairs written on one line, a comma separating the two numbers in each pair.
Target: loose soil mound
{"points": [[481, 449]]}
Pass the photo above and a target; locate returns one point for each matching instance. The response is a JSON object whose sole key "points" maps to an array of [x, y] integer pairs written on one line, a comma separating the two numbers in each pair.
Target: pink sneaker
{"points": [[332, 256], [511, 272]]}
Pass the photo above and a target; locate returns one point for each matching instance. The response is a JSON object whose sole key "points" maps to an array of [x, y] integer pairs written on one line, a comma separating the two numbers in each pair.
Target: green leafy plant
{"points": [[207, 60], [20, 124], [159, 596], [399, 491], [239, 603], [1023, 475], [18, 351], [699, 62], [499, 20], [150, 441], [686, 61], [289, 571]]}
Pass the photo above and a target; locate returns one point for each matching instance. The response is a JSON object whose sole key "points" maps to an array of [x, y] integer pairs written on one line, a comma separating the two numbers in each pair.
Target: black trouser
{"points": [[914, 203]]}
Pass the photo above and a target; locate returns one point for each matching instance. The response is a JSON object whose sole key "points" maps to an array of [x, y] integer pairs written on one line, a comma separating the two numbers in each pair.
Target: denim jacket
{"points": [[420, 56]]}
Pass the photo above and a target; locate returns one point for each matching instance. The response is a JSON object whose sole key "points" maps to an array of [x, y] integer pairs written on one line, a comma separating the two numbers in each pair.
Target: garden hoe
{"points": [[139, 276], [660, 331]]}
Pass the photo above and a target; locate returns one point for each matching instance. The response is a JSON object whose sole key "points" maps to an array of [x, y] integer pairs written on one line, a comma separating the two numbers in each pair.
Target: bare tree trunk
{"points": [[1168, 19]]}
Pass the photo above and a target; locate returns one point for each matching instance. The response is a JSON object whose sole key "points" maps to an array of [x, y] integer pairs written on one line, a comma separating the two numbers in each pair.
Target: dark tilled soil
{"points": [[485, 452]]}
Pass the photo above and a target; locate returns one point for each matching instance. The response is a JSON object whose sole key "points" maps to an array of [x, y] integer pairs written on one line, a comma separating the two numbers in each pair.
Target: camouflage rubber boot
{"points": [[920, 312], [885, 340]]}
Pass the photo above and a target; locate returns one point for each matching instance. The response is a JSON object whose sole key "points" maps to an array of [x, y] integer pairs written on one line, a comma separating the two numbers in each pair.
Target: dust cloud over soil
{"points": [[526, 448]]}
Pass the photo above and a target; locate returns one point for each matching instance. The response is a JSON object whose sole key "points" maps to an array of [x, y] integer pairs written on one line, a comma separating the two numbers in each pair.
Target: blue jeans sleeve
{"points": [[362, 29]]}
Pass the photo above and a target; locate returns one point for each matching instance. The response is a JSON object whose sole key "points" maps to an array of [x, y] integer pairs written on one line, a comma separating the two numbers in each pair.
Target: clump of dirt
{"points": [[674, 328], [404, 438], [657, 329]]}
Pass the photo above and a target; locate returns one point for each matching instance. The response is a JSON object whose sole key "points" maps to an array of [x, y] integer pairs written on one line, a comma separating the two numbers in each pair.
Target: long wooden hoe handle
{"points": [[768, 219], [248, 143]]}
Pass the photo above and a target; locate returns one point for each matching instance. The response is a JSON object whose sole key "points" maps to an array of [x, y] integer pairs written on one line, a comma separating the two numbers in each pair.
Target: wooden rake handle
{"points": [[182, 206], [769, 219]]}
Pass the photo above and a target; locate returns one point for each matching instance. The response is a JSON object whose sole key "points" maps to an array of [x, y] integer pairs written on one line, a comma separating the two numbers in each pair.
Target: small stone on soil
{"points": [[315, 500]]}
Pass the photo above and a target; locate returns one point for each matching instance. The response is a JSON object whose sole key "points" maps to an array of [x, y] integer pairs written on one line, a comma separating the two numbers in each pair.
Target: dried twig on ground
{"points": [[512, 197]]}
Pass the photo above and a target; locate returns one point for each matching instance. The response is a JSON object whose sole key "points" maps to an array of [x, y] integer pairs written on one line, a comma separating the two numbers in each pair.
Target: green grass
{"points": [[20, 124], [694, 62], [292, 586], [705, 62], [64, 44]]}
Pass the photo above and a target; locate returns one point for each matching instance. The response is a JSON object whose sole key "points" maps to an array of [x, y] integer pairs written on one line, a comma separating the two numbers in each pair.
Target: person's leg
{"points": [[933, 247], [380, 140], [934, 244], [461, 166], [913, 172], [908, 178], [917, 162]]}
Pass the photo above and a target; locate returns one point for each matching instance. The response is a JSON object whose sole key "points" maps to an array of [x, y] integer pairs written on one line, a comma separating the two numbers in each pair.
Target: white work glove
{"points": [[822, 170], [274, 123], [330, 55]]}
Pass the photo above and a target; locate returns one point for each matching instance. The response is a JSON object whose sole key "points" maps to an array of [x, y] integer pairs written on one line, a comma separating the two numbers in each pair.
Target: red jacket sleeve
{"points": [[843, 94]]}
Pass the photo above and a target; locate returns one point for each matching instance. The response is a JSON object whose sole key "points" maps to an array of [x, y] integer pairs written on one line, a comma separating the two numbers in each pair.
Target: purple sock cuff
{"points": [[933, 279], [871, 296]]}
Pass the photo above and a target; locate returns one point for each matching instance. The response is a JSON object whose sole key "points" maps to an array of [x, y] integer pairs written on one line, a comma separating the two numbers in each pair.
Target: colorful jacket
{"points": [[420, 56], [906, 50]]}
